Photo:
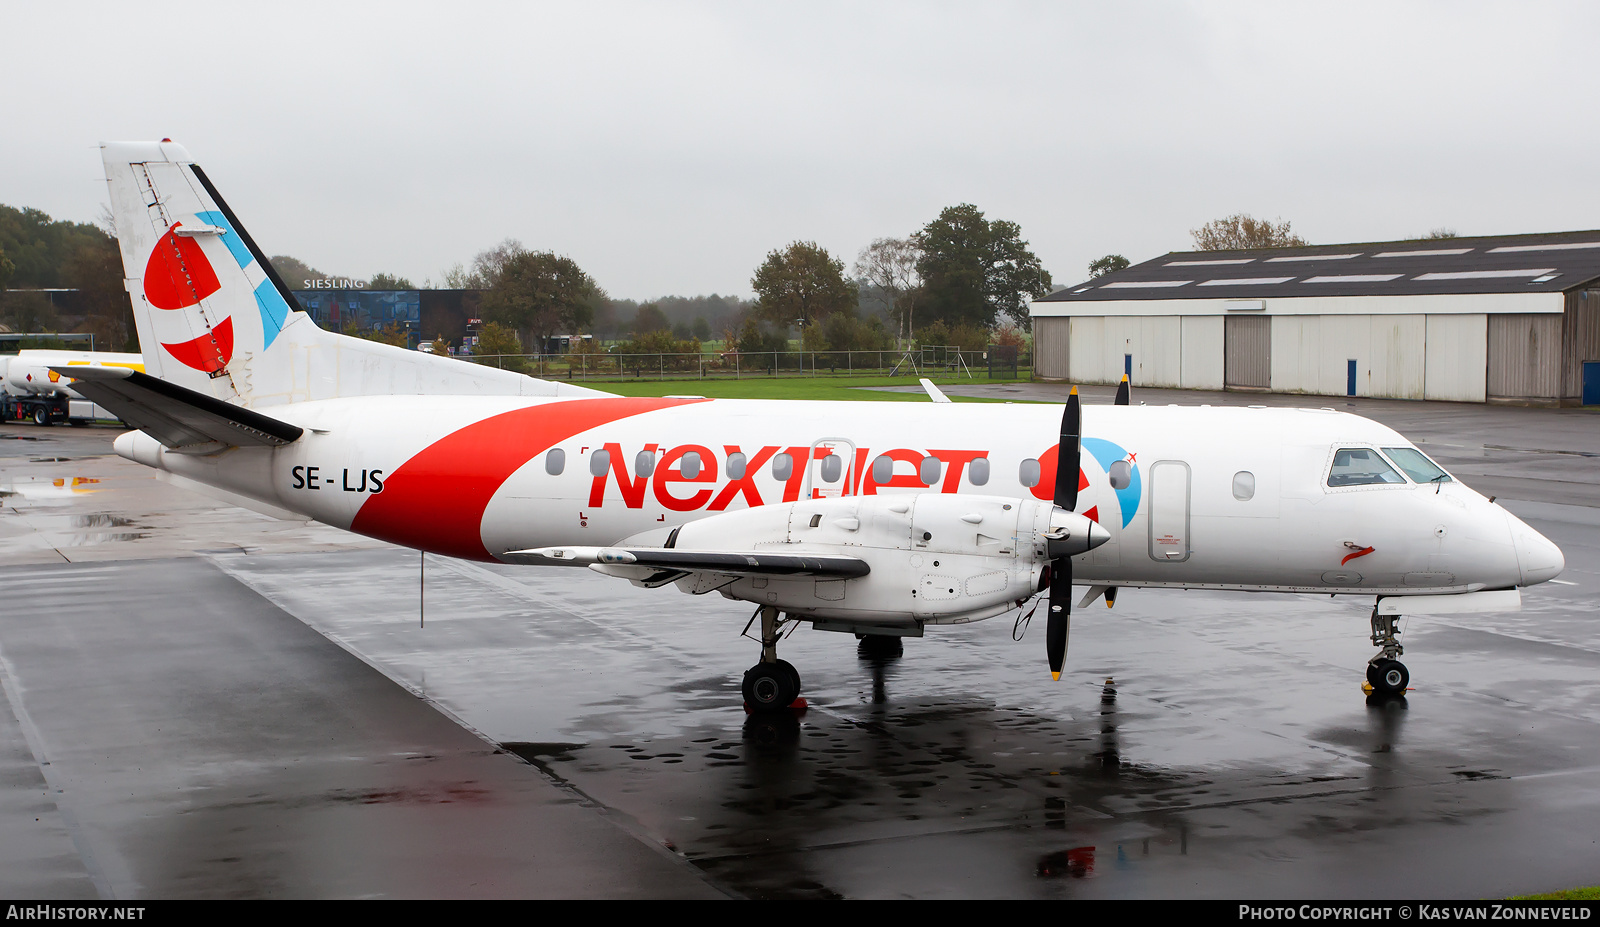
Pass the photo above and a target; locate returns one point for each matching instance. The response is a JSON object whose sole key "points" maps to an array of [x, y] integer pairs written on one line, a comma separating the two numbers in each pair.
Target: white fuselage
{"points": [[1224, 497]]}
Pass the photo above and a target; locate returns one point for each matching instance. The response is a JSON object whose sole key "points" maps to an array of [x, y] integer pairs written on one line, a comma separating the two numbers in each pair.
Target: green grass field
{"points": [[828, 388], [1591, 893]]}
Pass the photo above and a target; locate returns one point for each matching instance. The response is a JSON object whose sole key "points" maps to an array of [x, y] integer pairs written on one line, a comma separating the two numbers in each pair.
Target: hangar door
{"points": [[1051, 347], [1524, 356], [1247, 352]]}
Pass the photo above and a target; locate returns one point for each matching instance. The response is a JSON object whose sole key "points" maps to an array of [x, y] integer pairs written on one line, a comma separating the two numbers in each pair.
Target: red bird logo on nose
{"points": [[178, 276]]}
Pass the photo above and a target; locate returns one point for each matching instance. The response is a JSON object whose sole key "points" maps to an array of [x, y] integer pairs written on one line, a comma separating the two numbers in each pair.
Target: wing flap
{"points": [[179, 418], [729, 563]]}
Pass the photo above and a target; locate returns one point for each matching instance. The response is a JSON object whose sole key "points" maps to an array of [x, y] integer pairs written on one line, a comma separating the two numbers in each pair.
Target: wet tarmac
{"points": [[202, 702]]}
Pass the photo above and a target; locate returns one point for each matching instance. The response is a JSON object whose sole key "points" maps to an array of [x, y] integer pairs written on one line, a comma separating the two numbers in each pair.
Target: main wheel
{"points": [[1388, 677], [41, 415], [794, 674], [770, 687]]}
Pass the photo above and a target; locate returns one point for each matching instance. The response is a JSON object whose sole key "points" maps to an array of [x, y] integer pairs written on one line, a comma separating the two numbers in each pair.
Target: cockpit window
{"points": [[1361, 466], [1417, 465]]}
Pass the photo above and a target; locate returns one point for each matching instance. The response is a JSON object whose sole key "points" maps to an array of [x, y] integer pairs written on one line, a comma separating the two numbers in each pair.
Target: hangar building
{"points": [[1511, 318]]}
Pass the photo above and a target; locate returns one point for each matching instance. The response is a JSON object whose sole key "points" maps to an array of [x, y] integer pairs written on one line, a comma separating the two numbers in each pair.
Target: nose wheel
{"points": [[772, 684], [1387, 675]]}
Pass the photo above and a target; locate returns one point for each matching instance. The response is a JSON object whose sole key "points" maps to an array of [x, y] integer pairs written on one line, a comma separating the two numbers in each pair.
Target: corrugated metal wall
{"points": [[1525, 356], [1051, 348], [1459, 357], [1247, 351], [1580, 340]]}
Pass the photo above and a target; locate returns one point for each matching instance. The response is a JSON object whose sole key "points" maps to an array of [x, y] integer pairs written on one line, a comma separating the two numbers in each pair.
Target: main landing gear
{"points": [[772, 684], [1385, 674]]}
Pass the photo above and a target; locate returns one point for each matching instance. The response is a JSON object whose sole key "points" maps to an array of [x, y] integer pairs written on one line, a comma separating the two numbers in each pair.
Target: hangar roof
{"points": [[1550, 262]]}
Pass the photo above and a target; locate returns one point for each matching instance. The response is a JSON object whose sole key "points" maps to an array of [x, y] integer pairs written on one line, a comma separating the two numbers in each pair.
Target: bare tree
{"points": [[486, 267], [107, 220], [890, 266], [1239, 231]]}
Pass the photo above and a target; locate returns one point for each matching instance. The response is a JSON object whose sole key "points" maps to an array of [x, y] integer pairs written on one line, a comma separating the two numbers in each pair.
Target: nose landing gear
{"points": [[772, 684], [1387, 675]]}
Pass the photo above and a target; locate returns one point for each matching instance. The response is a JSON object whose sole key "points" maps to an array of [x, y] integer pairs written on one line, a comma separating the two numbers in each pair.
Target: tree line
{"points": [[962, 279], [956, 280], [39, 254]]}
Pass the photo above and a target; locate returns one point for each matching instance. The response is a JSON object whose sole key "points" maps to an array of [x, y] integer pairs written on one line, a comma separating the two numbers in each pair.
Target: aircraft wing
{"points": [[656, 566], [179, 418]]}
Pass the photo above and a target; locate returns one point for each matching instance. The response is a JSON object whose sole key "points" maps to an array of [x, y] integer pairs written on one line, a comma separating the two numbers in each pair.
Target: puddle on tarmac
{"points": [[87, 529]]}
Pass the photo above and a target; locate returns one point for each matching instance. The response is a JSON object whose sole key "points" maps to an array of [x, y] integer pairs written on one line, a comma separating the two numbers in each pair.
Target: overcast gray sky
{"points": [[667, 147]]}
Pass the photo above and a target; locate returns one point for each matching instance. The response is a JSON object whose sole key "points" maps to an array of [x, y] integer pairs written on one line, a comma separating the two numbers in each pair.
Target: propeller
{"points": [[1068, 464]]}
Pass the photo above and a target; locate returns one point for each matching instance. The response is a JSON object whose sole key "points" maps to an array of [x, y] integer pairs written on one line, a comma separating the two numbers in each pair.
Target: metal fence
{"points": [[996, 362]]}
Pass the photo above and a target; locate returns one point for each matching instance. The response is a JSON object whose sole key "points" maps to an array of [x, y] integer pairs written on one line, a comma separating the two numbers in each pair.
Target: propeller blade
{"points": [[1068, 454], [1060, 614], [1122, 392]]}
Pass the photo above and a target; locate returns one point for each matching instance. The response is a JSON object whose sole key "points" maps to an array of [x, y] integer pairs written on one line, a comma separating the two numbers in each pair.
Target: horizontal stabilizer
{"points": [[934, 392], [178, 417], [731, 563]]}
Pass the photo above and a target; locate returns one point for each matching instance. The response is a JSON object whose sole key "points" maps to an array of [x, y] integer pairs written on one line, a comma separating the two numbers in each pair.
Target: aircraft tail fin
{"points": [[214, 317]]}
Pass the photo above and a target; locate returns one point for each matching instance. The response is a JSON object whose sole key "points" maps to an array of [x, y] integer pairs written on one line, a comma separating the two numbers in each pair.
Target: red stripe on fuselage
{"points": [[435, 501]]}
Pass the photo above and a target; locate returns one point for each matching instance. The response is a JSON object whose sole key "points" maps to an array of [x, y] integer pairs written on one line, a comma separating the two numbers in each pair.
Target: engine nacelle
{"points": [[935, 558]]}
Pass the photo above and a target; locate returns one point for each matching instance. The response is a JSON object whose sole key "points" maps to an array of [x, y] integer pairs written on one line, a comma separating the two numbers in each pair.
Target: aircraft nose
{"points": [[1538, 559]]}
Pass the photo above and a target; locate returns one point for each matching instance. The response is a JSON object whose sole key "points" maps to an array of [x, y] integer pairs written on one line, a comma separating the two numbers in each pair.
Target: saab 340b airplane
{"points": [[860, 517]]}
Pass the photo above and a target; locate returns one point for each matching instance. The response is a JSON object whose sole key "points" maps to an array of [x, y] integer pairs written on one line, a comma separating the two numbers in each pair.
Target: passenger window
{"points": [[1028, 473], [832, 468], [1417, 465], [644, 463], [599, 463], [1244, 485], [929, 470], [689, 465], [1361, 466], [1121, 474], [782, 467], [978, 471], [736, 463], [883, 469], [555, 461]]}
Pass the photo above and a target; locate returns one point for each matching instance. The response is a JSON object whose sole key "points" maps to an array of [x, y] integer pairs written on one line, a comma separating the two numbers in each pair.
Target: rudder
{"points": [[205, 300]]}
